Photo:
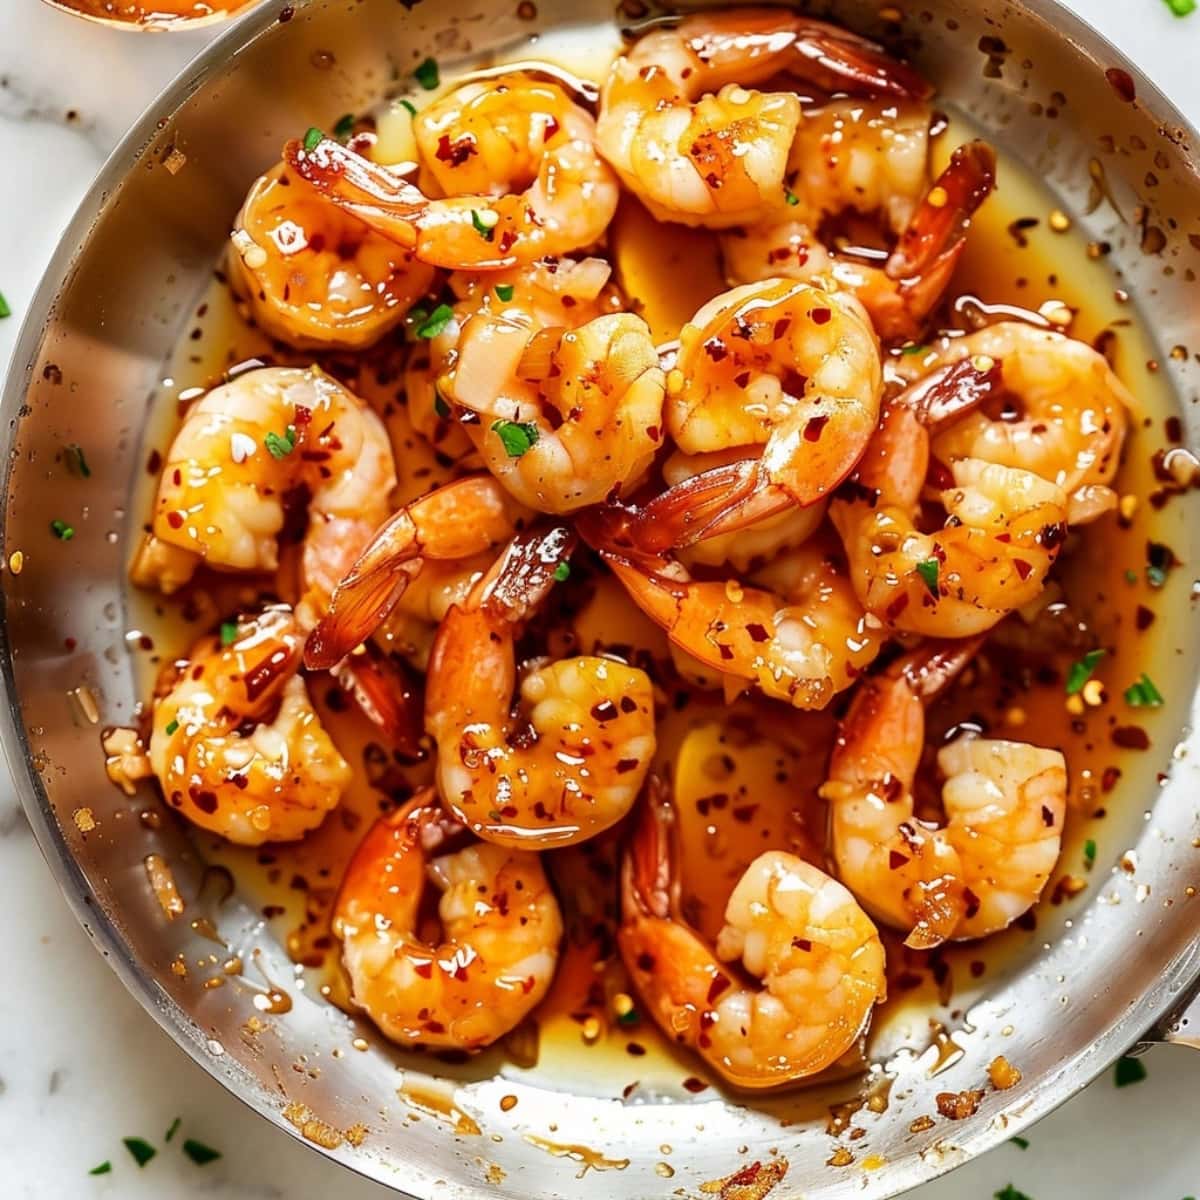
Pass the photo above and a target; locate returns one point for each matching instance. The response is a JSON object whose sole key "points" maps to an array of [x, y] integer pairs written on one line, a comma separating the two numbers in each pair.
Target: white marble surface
{"points": [[81, 1066]]}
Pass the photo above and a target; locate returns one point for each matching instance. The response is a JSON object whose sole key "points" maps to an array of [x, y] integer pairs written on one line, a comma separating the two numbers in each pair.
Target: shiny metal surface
{"points": [[113, 303], [152, 24]]}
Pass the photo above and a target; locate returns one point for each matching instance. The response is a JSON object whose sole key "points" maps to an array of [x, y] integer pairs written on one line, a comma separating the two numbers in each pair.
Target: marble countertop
{"points": [[81, 1065]]}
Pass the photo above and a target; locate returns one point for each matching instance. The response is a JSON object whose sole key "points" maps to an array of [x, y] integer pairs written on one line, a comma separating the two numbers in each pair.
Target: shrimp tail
{"points": [[947, 393], [387, 695], [363, 599], [932, 670], [839, 60], [524, 574], [649, 878]]}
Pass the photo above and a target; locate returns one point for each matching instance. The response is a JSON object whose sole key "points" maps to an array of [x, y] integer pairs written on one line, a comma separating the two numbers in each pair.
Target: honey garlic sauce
{"points": [[745, 775]]}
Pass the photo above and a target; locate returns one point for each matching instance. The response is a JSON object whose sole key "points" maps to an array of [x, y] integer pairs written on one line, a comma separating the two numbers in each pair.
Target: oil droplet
{"points": [[592, 1160], [664, 1170], [948, 1050], [206, 929], [441, 1105]]}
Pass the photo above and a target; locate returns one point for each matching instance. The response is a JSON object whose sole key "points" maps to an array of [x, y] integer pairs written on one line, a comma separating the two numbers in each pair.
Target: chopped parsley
{"points": [[1089, 853], [62, 530], [141, 1150], [928, 571], [313, 138], [1130, 576], [439, 404], [5, 311], [485, 222], [229, 633], [790, 196], [1143, 694], [1008, 1192], [517, 436], [344, 127], [1128, 1070], [77, 462], [427, 75], [281, 446], [504, 291], [1159, 561], [436, 321], [199, 1153], [562, 572], [1081, 671], [629, 1018], [172, 726], [1182, 8], [1022, 1143], [102, 1169], [410, 106], [914, 348], [178, 1120]]}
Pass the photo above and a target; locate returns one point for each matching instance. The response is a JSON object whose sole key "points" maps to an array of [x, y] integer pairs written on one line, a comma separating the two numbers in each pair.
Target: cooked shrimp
{"points": [[1003, 531], [720, 159], [564, 418], [221, 762], [800, 933], [313, 276], [517, 159], [758, 541], [801, 639], [784, 365], [1004, 801], [572, 764], [500, 931], [1061, 413], [453, 522], [247, 445], [870, 160]]}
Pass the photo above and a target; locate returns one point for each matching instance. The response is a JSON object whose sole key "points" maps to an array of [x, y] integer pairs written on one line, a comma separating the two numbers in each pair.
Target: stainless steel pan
{"points": [[112, 304]]}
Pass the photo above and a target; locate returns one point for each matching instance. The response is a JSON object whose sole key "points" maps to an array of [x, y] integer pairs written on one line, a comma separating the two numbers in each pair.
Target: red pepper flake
{"points": [[552, 127], [1143, 618], [694, 1085], [625, 765], [455, 152], [1131, 737], [424, 969], [821, 316], [175, 520], [814, 427], [636, 1049], [799, 943], [628, 704], [154, 463], [720, 983], [1122, 83], [757, 632], [1023, 568], [1108, 780], [897, 606], [606, 710], [972, 902], [896, 860]]}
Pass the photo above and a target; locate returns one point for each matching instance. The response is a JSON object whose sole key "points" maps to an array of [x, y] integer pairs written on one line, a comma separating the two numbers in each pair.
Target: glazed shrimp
{"points": [[1064, 413], [222, 763], [453, 522], [801, 638], [500, 931], [243, 447], [1004, 527], [313, 276], [572, 764], [814, 956], [720, 159], [778, 364], [517, 159], [564, 418], [1004, 808], [869, 160]]}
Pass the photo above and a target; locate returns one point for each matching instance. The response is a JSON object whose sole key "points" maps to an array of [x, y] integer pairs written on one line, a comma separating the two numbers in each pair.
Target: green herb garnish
{"points": [[1143, 694], [914, 348], [517, 436], [928, 571], [439, 404], [5, 311], [1008, 1192], [1130, 576], [485, 221], [504, 291], [790, 196], [1081, 671], [408, 104], [1023, 1143], [141, 1150], [1089, 853], [427, 75], [281, 447], [562, 572], [1159, 561], [344, 127], [313, 138], [172, 725], [629, 1018], [1128, 1070], [103, 1169], [199, 1153], [179, 1120], [1182, 8], [77, 462], [61, 530], [437, 320], [229, 633]]}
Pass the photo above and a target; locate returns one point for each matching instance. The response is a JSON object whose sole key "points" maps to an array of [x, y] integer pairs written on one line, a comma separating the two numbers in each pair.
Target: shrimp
{"points": [[221, 762], [500, 931], [1005, 803], [863, 160], [719, 159], [784, 365], [817, 954], [802, 643], [1064, 413], [564, 418], [247, 446], [1004, 527], [454, 522], [573, 763], [517, 159], [315, 277]]}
